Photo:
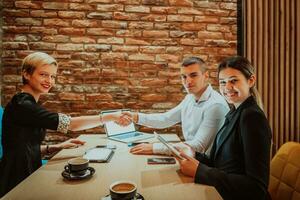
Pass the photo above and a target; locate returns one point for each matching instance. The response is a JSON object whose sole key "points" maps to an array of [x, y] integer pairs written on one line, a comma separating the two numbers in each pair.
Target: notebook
{"points": [[127, 134]]}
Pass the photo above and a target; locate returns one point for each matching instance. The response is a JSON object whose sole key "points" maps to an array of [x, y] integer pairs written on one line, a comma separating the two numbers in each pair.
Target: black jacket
{"points": [[239, 163]]}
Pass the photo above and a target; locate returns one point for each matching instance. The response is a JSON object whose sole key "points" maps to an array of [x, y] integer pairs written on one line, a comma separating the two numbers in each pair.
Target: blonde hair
{"points": [[34, 60], [244, 66]]}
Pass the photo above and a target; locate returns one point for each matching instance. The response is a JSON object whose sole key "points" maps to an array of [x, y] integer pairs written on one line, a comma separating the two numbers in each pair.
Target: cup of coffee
{"points": [[77, 166], [125, 190]]}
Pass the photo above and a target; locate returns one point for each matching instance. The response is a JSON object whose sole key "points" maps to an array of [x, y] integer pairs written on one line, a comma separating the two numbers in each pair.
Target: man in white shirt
{"points": [[201, 113]]}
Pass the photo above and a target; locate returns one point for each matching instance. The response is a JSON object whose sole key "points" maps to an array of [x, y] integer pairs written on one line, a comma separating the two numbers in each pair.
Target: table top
{"points": [[153, 181]]}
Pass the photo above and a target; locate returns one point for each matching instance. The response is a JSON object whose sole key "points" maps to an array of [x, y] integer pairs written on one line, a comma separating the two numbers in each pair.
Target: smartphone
{"points": [[152, 161]]}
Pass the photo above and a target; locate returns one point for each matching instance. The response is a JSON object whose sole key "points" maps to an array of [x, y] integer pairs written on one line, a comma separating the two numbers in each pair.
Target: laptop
{"points": [[126, 134]]}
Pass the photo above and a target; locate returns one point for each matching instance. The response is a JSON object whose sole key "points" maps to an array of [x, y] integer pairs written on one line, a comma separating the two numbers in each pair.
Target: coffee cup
{"points": [[77, 166], [125, 190]]}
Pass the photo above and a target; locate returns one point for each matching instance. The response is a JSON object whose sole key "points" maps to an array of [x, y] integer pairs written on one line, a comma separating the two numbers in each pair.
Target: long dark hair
{"points": [[244, 66]]}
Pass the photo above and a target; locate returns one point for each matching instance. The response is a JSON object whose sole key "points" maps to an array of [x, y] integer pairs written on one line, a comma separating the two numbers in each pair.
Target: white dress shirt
{"points": [[200, 120]]}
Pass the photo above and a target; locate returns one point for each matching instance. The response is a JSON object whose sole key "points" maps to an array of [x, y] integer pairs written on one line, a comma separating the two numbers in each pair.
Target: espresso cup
{"points": [[77, 166], [123, 190]]}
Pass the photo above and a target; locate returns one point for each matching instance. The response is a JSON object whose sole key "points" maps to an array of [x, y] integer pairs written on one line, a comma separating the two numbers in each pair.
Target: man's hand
{"points": [[188, 165], [122, 119], [145, 149]]}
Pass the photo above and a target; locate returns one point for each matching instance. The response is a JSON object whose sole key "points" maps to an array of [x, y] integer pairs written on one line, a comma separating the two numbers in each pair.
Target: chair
{"points": [[285, 173]]}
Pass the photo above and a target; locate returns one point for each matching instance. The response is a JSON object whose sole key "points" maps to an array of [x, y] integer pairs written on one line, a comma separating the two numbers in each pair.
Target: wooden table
{"points": [[153, 181]]}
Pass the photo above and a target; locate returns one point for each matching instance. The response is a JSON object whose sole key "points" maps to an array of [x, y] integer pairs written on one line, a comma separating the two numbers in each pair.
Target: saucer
{"points": [[138, 196], [89, 172]]}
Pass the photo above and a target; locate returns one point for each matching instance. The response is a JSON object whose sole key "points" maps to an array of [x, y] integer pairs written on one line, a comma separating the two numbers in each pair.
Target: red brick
{"points": [[71, 14], [136, 42], [153, 17], [99, 1], [97, 47], [125, 48], [43, 13], [207, 4], [99, 97], [216, 43], [114, 56], [166, 42], [218, 28], [228, 6], [192, 42], [155, 2], [153, 82], [126, 16], [98, 15], [85, 40], [164, 10], [56, 22], [216, 12], [140, 25], [42, 46], [15, 29], [185, 34], [71, 96], [140, 56], [164, 105], [209, 35], [167, 57], [15, 13], [100, 31], [228, 20], [56, 38], [55, 5], [170, 89], [82, 6], [140, 9], [167, 26], [227, 51], [12, 78], [72, 31], [193, 26], [27, 4], [207, 19], [114, 73], [152, 49], [129, 33], [14, 45], [174, 49], [114, 24], [43, 30], [110, 7], [153, 97], [70, 47], [179, 18], [181, 2], [85, 56], [133, 2], [84, 23], [155, 34], [112, 40], [190, 11], [28, 21]]}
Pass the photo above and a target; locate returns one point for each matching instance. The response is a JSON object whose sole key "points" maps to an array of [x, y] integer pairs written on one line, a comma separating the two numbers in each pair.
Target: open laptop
{"points": [[127, 134]]}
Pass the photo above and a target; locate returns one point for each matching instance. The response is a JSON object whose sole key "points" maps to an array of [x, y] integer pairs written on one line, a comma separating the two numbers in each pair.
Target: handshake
{"points": [[123, 118]]}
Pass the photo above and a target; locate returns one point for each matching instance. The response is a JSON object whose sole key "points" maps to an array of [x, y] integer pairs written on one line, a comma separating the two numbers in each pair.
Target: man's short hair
{"points": [[195, 60]]}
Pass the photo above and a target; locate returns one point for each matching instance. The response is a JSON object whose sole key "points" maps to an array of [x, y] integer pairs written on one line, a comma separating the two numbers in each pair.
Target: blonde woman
{"points": [[25, 122]]}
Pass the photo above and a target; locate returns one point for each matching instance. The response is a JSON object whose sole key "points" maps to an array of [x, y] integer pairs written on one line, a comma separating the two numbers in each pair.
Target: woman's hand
{"points": [[144, 149], [188, 165], [72, 143]]}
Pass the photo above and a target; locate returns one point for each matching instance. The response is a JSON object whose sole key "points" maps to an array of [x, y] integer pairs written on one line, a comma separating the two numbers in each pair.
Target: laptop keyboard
{"points": [[128, 135]]}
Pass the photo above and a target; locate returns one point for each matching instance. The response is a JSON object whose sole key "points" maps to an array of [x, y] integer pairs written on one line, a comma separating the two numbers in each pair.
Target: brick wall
{"points": [[115, 53]]}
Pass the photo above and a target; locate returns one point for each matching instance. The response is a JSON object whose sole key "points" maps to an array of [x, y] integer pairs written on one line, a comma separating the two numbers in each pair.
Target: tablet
{"points": [[98, 154], [172, 149]]}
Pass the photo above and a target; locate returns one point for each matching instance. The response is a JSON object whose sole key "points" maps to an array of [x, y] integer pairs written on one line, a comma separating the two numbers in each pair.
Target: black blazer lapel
{"points": [[224, 136]]}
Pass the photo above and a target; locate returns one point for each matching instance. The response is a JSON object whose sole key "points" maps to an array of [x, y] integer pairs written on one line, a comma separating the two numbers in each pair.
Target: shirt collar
{"points": [[205, 95]]}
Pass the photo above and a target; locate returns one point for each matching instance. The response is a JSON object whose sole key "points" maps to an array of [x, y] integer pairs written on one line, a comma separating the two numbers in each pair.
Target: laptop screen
{"points": [[113, 128]]}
